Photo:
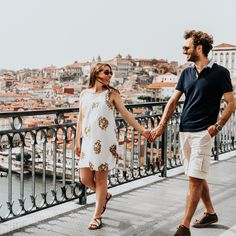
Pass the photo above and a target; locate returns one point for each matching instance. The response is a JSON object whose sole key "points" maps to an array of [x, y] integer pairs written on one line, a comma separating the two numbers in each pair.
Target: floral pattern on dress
{"points": [[91, 166], [103, 167], [97, 147], [103, 122], [95, 105], [113, 151], [87, 131]]}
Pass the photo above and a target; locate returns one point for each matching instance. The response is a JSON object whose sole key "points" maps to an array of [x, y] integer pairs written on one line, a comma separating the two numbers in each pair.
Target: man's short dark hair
{"points": [[200, 38]]}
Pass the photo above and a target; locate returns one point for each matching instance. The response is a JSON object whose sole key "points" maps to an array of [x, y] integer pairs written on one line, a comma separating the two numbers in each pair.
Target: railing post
{"points": [[164, 153], [83, 196], [216, 153]]}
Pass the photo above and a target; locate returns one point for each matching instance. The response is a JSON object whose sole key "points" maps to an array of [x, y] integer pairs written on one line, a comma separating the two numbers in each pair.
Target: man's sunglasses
{"points": [[107, 72], [185, 48]]}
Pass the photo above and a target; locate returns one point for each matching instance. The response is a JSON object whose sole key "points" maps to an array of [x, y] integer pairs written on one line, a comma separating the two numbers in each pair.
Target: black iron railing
{"points": [[39, 167]]}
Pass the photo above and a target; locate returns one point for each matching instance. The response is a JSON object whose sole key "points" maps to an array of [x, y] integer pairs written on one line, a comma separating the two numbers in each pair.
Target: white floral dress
{"points": [[99, 142]]}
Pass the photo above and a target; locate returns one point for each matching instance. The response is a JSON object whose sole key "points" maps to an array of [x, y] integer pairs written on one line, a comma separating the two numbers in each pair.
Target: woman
{"points": [[96, 126]]}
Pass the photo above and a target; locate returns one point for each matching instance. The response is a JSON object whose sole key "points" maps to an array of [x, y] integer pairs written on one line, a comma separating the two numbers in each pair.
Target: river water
{"points": [[27, 190]]}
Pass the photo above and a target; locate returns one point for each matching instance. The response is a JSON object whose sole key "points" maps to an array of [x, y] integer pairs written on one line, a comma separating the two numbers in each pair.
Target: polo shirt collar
{"points": [[210, 64]]}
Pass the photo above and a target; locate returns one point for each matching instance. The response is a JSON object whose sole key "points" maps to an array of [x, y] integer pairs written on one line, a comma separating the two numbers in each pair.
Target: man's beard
{"points": [[194, 57]]}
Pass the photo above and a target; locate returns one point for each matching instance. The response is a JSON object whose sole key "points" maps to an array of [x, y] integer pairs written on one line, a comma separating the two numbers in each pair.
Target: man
{"points": [[204, 83]]}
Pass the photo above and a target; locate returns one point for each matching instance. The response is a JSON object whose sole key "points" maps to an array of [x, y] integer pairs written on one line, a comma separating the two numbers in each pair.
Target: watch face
{"points": [[218, 127]]}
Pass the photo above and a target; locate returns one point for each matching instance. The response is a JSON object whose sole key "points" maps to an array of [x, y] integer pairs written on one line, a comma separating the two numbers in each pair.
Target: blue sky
{"points": [[39, 33]]}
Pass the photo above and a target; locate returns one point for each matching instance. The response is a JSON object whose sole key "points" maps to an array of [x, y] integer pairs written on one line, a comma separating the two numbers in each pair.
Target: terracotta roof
{"points": [[10, 94], [41, 80], [169, 73], [161, 84], [225, 45], [138, 110], [49, 68], [74, 65]]}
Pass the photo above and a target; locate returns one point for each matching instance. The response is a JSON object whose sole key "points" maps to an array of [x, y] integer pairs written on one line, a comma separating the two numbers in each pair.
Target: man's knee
{"points": [[195, 182]]}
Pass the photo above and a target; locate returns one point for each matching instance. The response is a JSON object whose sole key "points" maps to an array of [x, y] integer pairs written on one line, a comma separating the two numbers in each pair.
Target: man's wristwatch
{"points": [[218, 127]]}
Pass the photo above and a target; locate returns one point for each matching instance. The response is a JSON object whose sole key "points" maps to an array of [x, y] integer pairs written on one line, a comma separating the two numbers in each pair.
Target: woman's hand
{"points": [[157, 132], [78, 150], [146, 133]]}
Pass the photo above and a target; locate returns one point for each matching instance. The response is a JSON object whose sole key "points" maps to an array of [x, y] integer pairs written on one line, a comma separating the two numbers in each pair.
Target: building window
{"points": [[227, 60], [232, 60], [221, 57], [216, 57]]}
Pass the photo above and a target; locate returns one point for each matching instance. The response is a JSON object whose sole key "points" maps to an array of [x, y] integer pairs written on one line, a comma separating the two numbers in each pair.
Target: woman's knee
{"points": [[86, 176], [82, 180], [85, 180], [101, 180]]}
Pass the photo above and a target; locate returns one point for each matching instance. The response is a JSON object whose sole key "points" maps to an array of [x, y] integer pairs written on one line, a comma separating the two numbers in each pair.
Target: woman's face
{"points": [[105, 75]]}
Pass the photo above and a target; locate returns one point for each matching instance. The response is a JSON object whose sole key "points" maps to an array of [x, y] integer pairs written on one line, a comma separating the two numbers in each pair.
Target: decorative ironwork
{"points": [[41, 155]]}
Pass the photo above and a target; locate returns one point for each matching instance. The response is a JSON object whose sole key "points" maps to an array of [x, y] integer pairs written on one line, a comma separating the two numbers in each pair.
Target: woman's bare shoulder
{"points": [[114, 93]]}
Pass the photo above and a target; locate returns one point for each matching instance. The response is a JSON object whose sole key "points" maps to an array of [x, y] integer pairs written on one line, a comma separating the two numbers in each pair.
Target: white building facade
{"points": [[225, 55]]}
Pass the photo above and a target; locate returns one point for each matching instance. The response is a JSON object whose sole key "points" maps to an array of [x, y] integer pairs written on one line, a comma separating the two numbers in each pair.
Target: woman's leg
{"points": [[87, 178], [101, 192]]}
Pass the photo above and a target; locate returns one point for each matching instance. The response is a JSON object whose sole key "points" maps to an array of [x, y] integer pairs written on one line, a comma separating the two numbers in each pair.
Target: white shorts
{"points": [[196, 153]]}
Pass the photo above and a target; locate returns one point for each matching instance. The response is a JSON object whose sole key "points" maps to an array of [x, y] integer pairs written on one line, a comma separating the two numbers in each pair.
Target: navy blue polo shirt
{"points": [[203, 93]]}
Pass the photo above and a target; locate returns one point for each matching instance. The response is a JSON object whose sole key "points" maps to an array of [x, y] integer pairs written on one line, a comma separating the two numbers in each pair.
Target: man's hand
{"points": [[212, 130], [157, 132], [146, 133]]}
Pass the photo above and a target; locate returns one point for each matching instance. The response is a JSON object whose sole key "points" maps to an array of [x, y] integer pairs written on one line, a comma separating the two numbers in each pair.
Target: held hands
{"points": [[151, 135], [146, 133], [157, 132]]}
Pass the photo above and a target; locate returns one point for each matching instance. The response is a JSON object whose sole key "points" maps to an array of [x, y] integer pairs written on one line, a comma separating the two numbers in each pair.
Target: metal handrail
{"points": [[53, 176]]}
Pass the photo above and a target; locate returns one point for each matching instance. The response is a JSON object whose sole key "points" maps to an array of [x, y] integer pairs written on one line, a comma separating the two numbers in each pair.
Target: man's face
{"points": [[190, 51]]}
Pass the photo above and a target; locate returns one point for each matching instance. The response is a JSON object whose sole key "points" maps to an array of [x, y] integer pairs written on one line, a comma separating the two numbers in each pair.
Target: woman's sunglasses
{"points": [[107, 72]]}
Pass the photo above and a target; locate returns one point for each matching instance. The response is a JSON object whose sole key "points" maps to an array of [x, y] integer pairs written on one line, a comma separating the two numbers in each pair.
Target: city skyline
{"points": [[40, 33]]}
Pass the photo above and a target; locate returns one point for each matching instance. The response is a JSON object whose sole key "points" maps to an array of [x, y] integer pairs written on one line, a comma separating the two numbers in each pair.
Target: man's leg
{"points": [[206, 198], [209, 216], [194, 195]]}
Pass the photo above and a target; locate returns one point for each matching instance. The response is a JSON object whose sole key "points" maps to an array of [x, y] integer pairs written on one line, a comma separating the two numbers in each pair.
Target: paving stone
{"points": [[152, 210]]}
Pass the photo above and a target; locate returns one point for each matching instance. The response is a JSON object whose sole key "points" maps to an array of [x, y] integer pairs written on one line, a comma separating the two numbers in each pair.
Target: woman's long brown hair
{"points": [[94, 72]]}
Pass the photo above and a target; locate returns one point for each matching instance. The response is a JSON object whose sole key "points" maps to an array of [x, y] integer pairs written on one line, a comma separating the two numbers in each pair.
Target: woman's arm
{"points": [[78, 133], [119, 105]]}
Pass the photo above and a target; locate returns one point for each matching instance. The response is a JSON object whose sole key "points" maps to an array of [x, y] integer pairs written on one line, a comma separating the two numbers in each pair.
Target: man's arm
{"points": [[229, 109], [168, 111]]}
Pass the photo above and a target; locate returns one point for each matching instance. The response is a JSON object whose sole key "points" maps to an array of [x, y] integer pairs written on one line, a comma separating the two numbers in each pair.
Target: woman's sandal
{"points": [[108, 197], [96, 223]]}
